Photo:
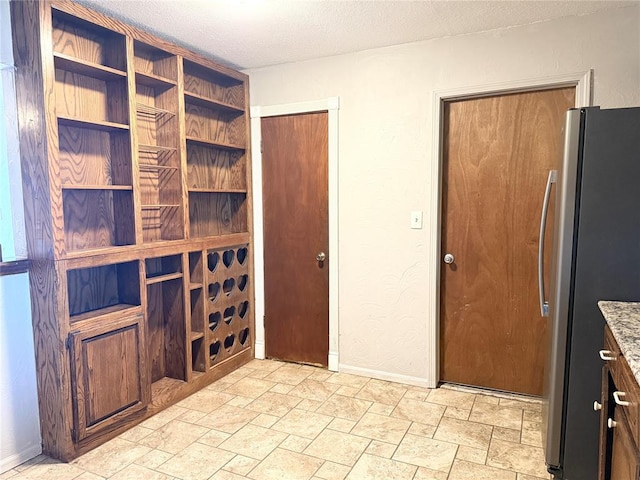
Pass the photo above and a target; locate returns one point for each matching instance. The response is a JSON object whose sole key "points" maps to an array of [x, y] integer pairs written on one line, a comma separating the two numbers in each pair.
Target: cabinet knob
{"points": [[616, 398], [607, 355], [611, 423], [597, 406]]}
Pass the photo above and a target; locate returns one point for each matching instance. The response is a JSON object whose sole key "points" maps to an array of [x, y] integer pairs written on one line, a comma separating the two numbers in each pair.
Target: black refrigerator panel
{"points": [[606, 267]]}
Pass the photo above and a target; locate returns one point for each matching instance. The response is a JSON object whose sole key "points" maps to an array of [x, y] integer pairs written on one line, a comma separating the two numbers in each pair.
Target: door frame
{"points": [[582, 81], [330, 105]]}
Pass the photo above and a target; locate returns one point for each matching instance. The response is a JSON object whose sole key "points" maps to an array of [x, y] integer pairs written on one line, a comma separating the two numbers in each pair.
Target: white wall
{"points": [[386, 140], [19, 421]]}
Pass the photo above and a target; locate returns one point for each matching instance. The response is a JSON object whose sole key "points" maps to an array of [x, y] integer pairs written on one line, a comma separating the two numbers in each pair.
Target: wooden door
{"points": [[295, 196], [497, 154]]}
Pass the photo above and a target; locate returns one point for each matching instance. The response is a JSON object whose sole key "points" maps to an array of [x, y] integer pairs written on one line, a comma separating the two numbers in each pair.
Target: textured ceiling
{"points": [[255, 33]]}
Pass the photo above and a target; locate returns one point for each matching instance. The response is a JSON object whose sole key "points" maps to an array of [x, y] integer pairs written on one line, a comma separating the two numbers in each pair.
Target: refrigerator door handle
{"points": [[544, 304]]}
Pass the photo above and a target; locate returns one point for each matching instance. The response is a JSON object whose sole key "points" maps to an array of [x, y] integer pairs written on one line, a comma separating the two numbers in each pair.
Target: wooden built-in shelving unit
{"points": [[137, 182]]}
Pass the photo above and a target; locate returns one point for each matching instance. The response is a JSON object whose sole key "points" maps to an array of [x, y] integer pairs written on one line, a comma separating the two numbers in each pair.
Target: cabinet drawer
{"points": [[625, 384], [612, 350], [610, 345]]}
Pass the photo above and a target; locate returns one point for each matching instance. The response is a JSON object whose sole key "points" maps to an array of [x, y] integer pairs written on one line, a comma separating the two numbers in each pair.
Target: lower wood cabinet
{"points": [[136, 163], [109, 377], [620, 429], [624, 453]]}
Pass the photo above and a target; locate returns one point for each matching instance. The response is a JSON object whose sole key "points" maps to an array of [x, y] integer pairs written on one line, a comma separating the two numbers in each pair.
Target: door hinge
{"points": [[261, 150], [73, 435], [67, 343]]}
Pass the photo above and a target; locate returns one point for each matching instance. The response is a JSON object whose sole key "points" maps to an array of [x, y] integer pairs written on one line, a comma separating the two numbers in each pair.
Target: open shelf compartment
{"points": [[166, 318], [168, 267], [195, 269], [214, 168], [91, 96], [75, 38], [215, 214], [158, 154], [96, 291], [197, 332], [162, 222], [153, 62], [157, 121], [214, 127], [90, 219], [208, 84], [93, 157], [159, 161]]}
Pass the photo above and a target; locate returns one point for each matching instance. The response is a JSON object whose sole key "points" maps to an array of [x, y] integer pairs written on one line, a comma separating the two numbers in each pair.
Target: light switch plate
{"points": [[416, 219]]}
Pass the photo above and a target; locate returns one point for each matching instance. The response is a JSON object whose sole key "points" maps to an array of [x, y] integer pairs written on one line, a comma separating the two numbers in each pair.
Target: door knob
{"points": [[597, 406], [448, 258], [321, 257], [611, 423]]}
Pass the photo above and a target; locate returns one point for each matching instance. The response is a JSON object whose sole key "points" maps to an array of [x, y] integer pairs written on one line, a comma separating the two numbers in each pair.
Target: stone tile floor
{"points": [[278, 421]]}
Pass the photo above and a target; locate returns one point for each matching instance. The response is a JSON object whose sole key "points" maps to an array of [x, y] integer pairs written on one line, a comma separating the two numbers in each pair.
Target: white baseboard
{"points": [[259, 351], [333, 362], [380, 375], [18, 458]]}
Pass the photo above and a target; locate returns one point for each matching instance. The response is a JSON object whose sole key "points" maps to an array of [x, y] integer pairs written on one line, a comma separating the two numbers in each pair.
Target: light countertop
{"points": [[623, 319]]}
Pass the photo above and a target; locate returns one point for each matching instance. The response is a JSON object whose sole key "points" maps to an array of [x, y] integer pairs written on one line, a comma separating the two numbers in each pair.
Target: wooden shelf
{"points": [[226, 240], [144, 109], [211, 103], [220, 145], [149, 166], [164, 390], [121, 308], [83, 67], [196, 336], [155, 148], [153, 81], [218, 190], [163, 278], [195, 286], [156, 207], [77, 186], [92, 124], [109, 250]]}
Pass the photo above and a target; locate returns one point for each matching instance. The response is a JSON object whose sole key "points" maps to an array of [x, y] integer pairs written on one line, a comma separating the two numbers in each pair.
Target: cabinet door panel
{"points": [[109, 375], [629, 387], [625, 464], [606, 410]]}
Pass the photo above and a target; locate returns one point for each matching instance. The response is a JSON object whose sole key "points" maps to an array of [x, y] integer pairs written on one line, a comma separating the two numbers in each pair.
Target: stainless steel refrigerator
{"points": [[595, 194]]}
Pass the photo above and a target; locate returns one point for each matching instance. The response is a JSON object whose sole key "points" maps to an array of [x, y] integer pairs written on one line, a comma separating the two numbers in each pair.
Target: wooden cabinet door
{"points": [[606, 411], [625, 461], [109, 375]]}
